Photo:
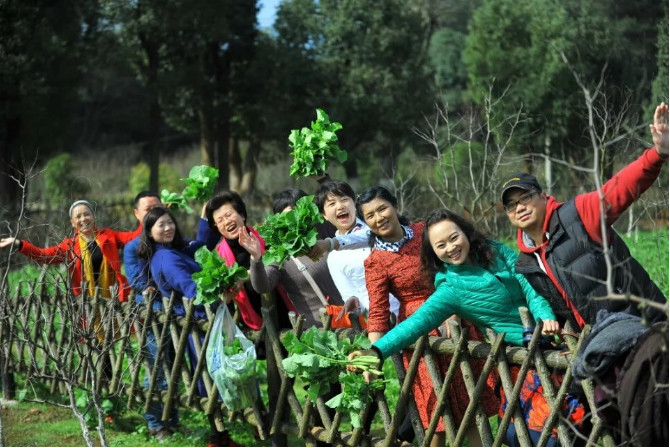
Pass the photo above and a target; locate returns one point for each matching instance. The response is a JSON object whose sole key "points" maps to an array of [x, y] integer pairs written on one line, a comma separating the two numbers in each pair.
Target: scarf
{"points": [[249, 315], [381, 244], [106, 277]]}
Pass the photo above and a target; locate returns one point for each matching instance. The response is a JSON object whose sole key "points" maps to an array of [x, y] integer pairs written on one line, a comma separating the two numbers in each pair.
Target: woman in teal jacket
{"points": [[474, 278]]}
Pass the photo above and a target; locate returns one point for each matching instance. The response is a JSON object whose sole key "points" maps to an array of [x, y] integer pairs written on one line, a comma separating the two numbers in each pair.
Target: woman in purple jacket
{"points": [[172, 265]]}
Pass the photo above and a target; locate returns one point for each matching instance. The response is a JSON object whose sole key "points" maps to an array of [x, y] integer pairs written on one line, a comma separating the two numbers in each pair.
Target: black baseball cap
{"points": [[524, 181]]}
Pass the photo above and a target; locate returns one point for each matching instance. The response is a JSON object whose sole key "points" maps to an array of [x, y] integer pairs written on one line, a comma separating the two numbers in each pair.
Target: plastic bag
{"points": [[233, 374]]}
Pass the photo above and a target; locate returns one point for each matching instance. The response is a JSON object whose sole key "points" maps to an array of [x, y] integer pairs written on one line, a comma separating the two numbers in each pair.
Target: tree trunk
{"points": [[207, 146], [222, 87], [250, 167], [235, 165], [153, 150], [10, 192], [208, 140]]}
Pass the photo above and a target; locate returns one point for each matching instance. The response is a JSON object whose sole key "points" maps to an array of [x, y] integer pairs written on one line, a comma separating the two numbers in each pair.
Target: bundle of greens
{"points": [[291, 233], [234, 348], [313, 148], [215, 277], [200, 183], [320, 358], [175, 201]]}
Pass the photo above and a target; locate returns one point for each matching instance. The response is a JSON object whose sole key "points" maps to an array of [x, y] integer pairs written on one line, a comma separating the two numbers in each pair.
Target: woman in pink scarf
{"points": [[227, 213]]}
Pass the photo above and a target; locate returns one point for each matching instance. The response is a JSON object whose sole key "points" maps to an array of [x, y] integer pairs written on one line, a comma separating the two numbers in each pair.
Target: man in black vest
{"points": [[562, 244]]}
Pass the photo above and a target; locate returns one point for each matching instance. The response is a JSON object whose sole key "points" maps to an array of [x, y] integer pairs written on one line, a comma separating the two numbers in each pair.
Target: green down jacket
{"points": [[489, 298]]}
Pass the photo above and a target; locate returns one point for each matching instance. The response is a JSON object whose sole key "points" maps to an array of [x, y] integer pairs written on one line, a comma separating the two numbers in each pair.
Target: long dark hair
{"points": [[221, 199], [147, 245], [371, 194], [480, 246]]}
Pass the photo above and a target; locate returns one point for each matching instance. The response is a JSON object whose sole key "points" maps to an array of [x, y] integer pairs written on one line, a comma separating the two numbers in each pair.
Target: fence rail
{"points": [[100, 345]]}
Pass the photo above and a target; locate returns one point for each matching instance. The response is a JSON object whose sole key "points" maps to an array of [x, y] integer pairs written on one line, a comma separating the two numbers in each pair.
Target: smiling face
{"points": [[528, 217], [163, 230], [449, 242], [340, 211], [382, 218], [228, 221], [82, 220], [145, 205]]}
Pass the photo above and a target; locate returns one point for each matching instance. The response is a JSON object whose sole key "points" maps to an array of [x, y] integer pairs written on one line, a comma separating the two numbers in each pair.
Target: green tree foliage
{"points": [[60, 182], [39, 71], [369, 61], [516, 47], [660, 87], [446, 48], [168, 177]]}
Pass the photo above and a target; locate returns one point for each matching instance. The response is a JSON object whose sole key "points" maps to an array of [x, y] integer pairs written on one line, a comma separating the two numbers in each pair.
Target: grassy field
{"points": [[37, 424]]}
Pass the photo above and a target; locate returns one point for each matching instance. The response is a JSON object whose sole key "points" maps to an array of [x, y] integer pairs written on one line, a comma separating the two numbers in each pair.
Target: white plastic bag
{"points": [[234, 375]]}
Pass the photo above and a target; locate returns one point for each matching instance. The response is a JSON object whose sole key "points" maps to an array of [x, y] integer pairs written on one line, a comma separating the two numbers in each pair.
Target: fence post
{"points": [[269, 313]]}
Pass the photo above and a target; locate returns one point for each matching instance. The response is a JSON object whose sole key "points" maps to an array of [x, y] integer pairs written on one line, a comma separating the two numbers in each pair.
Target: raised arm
{"points": [[626, 186]]}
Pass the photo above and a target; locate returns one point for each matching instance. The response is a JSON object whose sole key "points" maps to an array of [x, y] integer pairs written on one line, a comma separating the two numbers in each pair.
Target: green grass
{"points": [[651, 250]]}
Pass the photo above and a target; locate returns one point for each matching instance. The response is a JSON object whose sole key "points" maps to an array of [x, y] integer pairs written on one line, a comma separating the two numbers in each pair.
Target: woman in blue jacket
{"points": [[172, 266], [474, 278]]}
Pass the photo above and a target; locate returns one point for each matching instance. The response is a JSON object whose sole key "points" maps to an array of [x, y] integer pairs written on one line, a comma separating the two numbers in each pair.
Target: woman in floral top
{"points": [[394, 266]]}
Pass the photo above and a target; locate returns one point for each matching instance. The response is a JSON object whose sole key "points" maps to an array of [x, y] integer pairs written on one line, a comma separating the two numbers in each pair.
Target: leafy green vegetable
{"points": [[291, 233], [313, 148], [170, 199], [320, 358], [215, 277], [234, 348], [200, 183]]}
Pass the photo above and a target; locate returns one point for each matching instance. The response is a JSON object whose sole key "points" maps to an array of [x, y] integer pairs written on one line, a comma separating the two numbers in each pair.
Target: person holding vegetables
{"points": [[172, 266], [394, 267], [266, 277], [227, 214], [475, 278], [337, 203]]}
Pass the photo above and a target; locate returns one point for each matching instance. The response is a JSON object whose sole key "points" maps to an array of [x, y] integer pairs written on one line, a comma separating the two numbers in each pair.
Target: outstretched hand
{"points": [[659, 130], [6, 242], [250, 243], [320, 248]]}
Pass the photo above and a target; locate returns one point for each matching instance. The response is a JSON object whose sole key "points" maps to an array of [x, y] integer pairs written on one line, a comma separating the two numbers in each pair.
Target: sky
{"points": [[267, 13]]}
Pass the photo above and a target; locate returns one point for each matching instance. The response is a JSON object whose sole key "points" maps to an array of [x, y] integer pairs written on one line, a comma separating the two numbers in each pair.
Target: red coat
{"points": [[69, 252]]}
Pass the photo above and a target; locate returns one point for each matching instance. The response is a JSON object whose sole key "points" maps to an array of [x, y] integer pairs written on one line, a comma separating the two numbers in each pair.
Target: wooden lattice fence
{"points": [[55, 339]]}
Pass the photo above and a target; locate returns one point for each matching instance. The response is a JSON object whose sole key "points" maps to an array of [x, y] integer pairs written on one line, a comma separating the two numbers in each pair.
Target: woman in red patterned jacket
{"points": [[91, 255], [394, 266]]}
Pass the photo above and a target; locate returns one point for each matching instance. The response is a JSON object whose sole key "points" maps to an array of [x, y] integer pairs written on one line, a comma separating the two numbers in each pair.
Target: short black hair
{"points": [[380, 192], [371, 194], [286, 198], [222, 198], [145, 194], [334, 187]]}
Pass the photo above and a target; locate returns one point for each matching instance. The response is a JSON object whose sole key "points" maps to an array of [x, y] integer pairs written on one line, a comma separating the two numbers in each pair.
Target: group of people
{"points": [[371, 259]]}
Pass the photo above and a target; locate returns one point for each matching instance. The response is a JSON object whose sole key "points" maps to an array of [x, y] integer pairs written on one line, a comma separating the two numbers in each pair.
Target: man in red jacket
{"points": [[563, 245]]}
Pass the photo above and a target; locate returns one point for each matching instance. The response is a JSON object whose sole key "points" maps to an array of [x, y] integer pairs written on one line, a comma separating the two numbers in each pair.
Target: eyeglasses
{"points": [[524, 199]]}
